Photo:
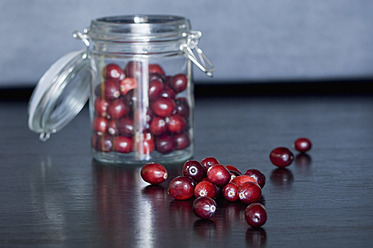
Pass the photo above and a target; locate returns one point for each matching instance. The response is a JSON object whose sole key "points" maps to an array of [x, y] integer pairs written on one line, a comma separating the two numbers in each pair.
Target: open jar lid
{"points": [[60, 94]]}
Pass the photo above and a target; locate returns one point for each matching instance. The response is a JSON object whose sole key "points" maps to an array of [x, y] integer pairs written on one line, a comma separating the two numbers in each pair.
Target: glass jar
{"points": [[137, 73]]}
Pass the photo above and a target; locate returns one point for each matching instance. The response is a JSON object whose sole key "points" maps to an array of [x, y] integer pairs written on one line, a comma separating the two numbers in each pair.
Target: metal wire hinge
{"points": [[195, 54]]}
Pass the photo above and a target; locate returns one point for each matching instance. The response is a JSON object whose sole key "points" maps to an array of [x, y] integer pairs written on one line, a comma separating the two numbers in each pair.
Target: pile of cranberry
{"points": [[208, 179], [163, 118]]}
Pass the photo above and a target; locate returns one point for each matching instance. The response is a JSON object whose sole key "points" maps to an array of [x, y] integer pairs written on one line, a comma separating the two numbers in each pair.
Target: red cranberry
{"points": [[125, 126], [302, 144], [145, 143], [194, 170], [118, 109], [281, 157], [126, 85], [239, 180], [155, 89], [256, 215], [168, 92], [176, 123], [233, 168], [102, 143], [249, 192], [234, 174], [158, 126], [182, 141], [101, 106], [205, 188], [230, 192], [156, 68], [112, 128], [163, 106], [153, 173], [133, 69], [182, 107], [208, 162], [165, 144], [131, 97], [204, 207], [100, 124], [109, 90], [122, 144], [179, 82], [218, 175], [113, 71], [257, 175], [156, 76], [181, 188]]}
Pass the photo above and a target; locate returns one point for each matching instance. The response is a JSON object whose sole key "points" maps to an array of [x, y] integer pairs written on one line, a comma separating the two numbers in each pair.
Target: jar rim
{"points": [[138, 27]]}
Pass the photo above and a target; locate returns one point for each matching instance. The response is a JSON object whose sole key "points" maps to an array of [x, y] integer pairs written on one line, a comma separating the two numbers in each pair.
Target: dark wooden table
{"points": [[54, 195]]}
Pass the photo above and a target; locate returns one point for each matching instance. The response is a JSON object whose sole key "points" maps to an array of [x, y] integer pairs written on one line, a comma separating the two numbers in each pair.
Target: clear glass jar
{"points": [[141, 91]]}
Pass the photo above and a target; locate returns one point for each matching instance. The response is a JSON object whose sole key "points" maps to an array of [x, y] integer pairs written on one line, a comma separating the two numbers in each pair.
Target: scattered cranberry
{"points": [[249, 192], [281, 157], [233, 168], [256, 215], [122, 144], [218, 174], [179, 82], [257, 175], [113, 71], [165, 144], [153, 173], [118, 109], [181, 188], [239, 180], [302, 144], [204, 207], [230, 192], [163, 106], [208, 162], [205, 188], [194, 170]]}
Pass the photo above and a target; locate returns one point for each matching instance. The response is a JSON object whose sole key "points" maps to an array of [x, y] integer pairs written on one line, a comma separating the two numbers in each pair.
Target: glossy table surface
{"points": [[54, 195]]}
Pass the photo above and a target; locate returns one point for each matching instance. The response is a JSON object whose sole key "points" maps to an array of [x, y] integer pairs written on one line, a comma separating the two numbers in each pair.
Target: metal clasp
{"points": [[195, 54], [83, 37]]}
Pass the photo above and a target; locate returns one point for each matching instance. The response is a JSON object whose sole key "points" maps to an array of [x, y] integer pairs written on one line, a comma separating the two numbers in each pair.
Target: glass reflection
{"points": [[282, 177]]}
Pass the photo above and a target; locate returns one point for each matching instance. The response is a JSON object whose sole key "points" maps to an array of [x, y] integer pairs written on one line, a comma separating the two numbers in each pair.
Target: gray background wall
{"points": [[247, 40]]}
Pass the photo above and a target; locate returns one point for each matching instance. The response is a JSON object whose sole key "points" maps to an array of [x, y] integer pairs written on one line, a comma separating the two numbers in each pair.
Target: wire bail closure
{"points": [[83, 37], [195, 54]]}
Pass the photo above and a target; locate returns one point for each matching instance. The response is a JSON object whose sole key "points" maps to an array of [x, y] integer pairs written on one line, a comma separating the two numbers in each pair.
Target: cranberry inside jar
{"points": [[147, 113]]}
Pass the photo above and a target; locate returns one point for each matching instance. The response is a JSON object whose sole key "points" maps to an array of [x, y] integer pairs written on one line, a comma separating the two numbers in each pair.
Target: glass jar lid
{"points": [[60, 94]]}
